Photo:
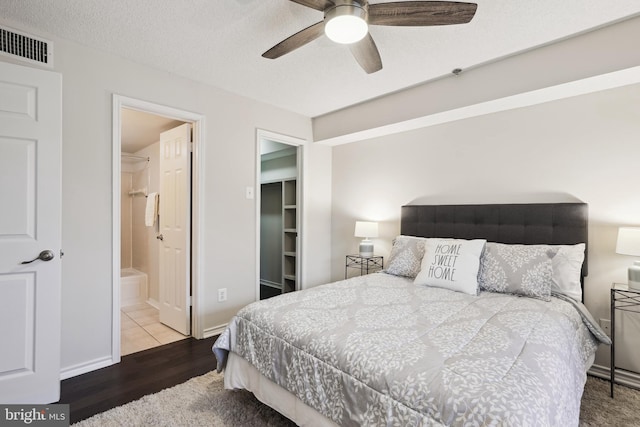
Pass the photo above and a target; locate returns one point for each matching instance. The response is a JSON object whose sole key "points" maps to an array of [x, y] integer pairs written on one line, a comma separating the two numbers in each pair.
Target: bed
{"points": [[401, 348]]}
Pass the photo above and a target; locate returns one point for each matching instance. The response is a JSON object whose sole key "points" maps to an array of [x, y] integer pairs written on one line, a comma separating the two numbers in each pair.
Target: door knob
{"points": [[160, 237], [43, 256]]}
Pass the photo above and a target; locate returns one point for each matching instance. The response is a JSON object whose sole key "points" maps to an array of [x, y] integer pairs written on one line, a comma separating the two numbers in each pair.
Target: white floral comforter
{"points": [[378, 350]]}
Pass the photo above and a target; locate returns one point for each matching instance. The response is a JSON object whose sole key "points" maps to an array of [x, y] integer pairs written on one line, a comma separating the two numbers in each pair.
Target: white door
{"points": [[30, 215], [175, 228]]}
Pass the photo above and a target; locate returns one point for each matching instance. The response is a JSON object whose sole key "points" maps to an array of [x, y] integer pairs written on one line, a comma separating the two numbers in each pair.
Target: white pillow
{"points": [[567, 271], [451, 264]]}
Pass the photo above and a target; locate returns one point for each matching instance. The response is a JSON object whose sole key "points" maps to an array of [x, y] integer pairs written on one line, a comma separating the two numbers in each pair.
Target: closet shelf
{"points": [[280, 221]]}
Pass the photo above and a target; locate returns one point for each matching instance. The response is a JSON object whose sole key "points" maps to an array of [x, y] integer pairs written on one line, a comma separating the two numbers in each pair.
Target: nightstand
{"points": [[624, 299], [366, 265]]}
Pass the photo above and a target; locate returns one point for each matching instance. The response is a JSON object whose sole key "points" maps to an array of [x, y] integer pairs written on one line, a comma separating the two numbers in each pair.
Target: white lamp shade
{"points": [[366, 229], [346, 24], [628, 241]]}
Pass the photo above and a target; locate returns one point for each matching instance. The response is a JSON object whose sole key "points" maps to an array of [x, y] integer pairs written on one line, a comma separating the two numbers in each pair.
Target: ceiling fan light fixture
{"points": [[346, 24]]}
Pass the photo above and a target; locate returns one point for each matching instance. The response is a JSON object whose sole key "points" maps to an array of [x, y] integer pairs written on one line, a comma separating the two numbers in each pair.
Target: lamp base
{"points": [[634, 275], [366, 249]]}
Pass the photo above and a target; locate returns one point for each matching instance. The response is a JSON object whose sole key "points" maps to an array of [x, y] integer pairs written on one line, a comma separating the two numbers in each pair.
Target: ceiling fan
{"points": [[347, 21]]}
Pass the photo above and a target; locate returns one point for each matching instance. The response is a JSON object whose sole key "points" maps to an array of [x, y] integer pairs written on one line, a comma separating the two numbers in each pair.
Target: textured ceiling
{"points": [[220, 42]]}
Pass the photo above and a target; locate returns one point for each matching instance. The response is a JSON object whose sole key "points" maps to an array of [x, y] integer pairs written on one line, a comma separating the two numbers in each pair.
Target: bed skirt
{"points": [[239, 374]]}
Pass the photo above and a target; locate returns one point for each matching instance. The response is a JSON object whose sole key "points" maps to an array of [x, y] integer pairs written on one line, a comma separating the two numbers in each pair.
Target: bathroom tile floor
{"points": [[140, 329]]}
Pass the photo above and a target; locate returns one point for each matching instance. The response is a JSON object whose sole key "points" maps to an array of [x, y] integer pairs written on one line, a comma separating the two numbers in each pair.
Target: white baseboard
{"points": [[216, 330], [153, 303], [627, 378], [83, 368]]}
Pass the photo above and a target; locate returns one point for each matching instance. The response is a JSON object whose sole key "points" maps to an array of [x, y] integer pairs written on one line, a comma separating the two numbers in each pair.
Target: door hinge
{"points": [[191, 146], [189, 301]]}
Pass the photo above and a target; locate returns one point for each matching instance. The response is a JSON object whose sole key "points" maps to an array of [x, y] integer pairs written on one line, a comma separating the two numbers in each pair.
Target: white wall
{"points": [[126, 201], [146, 250], [584, 147], [317, 199], [90, 78]]}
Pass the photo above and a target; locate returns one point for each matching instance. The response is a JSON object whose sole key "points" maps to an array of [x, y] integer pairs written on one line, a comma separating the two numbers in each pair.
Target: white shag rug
{"points": [[202, 401]]}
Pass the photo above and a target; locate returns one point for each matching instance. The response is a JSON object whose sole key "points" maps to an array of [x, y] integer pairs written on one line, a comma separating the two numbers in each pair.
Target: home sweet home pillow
{"points": [[451, 264]]}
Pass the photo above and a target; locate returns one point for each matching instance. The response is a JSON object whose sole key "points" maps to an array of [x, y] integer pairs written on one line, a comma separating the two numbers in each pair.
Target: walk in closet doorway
{"points": [[279, 212]]}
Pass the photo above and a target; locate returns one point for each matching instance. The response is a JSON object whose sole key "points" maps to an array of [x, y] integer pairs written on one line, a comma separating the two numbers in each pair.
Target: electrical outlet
{"points": [[605, 324], [222, 295]]}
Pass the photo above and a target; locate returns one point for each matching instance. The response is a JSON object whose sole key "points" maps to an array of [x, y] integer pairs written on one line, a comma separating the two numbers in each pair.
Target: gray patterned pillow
{"points": [[517, 269], [406, 256]]}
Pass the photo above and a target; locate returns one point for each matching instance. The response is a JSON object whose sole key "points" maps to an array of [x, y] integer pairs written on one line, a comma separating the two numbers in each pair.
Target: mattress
{"points": [[380, 350]]}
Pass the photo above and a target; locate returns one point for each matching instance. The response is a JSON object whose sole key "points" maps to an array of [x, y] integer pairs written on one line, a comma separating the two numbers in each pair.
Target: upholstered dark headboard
{"points": [[539, 223]]}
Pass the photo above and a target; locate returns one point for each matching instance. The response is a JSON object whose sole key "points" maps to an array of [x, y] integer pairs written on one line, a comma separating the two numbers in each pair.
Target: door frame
{"points": [[299, 143], [197, 207]]}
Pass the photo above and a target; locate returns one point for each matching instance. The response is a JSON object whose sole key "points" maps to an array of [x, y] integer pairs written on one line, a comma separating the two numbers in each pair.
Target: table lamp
{"points": [[629, 244], [367, 230]]}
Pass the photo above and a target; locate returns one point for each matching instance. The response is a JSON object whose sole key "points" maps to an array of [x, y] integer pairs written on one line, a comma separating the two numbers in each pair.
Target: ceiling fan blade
{"points": [[297, 40], [320, 5], [421, 13], [366, 53]]}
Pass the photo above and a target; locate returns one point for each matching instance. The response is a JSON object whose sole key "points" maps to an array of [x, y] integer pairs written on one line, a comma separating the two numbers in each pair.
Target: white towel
{"points": [[151, 211]]}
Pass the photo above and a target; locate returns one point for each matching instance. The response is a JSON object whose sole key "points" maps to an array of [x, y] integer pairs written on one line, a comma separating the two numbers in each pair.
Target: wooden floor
{"points": [[268, 292], [137, 374]]}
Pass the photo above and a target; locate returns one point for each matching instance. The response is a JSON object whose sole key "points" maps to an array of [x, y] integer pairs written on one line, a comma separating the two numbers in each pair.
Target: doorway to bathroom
{"points": [[156, 174]]}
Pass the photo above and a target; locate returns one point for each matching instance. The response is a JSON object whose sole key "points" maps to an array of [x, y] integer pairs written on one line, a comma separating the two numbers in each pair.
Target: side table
{"points": [[623, 298], [366, 265]]}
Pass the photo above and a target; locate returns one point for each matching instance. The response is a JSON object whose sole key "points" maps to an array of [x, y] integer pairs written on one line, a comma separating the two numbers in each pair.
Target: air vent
{"points": [[26, 47]]}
